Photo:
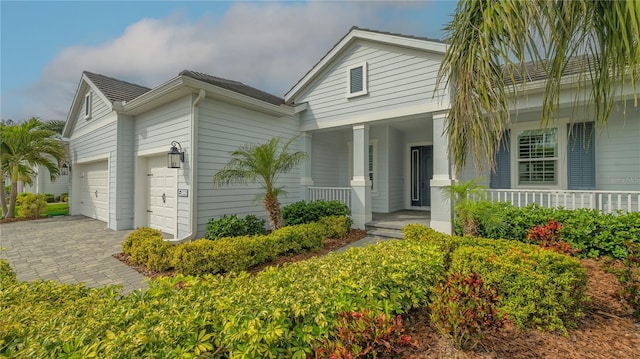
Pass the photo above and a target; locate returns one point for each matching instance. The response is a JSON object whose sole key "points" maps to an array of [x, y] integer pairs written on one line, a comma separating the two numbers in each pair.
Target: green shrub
{"points": [[307, 212], [49, 197], [136, 237], [7, 275], [232, 226], [64, 197], [539, 288], [279, 312], [233, 254], [336, 226], [464, 309], [628, 274], [21, 196], [588, 231], [32, 205]]}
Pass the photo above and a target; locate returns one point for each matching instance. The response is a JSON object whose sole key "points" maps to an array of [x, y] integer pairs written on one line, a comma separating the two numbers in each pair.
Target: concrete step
{"points": [[384, 232]]}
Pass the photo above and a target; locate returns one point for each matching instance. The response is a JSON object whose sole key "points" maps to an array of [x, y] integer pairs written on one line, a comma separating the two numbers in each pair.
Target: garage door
{"points": [[162, 191], [94, 191]]}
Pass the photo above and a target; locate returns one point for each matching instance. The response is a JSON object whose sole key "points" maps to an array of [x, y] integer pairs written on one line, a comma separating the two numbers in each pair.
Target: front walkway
{"points": [[73, 249]]}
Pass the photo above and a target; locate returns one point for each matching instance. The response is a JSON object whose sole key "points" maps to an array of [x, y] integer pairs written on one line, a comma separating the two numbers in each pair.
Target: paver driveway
{"points": [[70, 250]]}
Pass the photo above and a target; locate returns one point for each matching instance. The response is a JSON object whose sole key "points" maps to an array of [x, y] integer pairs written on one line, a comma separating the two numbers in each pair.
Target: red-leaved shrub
{"points": [[549, 237]]}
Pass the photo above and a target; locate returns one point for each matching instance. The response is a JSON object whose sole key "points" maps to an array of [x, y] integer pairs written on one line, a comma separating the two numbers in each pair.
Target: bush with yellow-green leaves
{"points": [[280, 312]]}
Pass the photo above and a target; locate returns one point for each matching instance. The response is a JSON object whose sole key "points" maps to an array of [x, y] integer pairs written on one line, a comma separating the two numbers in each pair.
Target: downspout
{"points": [[194, 168]]}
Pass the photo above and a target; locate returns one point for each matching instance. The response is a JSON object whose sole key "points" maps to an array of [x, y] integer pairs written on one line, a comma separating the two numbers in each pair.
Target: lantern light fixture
{"points": [[64, 169], [175, 155]]}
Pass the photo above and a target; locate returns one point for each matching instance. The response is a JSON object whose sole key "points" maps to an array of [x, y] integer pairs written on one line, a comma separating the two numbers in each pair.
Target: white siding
{"points": [[156, 129], [42, 183], [618, 152], [223, 128], [330, 161], [397, 78], [124, 157], [99, 109]]}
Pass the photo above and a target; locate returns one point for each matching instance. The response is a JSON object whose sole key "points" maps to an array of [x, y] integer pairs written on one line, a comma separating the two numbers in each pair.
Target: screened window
{"points": [[538, 157], [357, 79]]}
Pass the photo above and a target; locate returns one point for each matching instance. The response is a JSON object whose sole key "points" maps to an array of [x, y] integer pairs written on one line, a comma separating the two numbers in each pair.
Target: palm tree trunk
{"points": [[470, 228], [3, 196], [272, 207], [14, 193]]}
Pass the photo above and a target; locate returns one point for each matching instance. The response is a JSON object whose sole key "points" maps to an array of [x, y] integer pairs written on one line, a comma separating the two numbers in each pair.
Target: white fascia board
{"points": [[157, 93], [394, 40]]}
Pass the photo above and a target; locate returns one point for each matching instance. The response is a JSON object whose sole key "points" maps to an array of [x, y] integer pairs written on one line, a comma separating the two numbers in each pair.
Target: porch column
{"points": [[306, 180], [440, 206], [360, 184]]}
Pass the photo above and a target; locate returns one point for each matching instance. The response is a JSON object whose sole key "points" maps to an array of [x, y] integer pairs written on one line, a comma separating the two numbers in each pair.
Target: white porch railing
{"points": [[342, 194], [605, 201]]}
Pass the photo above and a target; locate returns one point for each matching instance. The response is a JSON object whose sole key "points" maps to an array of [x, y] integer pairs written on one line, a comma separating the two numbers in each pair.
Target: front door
{"points": [[421, 173]]}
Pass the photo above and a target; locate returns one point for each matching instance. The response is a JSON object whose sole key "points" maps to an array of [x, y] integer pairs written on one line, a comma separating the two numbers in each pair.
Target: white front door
{"points": [[94, 190], [162, 195]]}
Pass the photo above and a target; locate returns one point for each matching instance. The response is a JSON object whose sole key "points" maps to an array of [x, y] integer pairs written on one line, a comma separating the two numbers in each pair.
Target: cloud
{"points": [[266, 45]]}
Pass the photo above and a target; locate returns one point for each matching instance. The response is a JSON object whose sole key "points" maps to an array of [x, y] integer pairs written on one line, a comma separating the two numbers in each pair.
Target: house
{"points": [[369, 117], [41, 183]]}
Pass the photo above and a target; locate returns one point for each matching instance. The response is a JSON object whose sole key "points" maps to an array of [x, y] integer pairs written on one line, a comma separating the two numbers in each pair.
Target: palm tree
{"points": [[491, 41], [472, 208], [24, 146], [264, 164]]}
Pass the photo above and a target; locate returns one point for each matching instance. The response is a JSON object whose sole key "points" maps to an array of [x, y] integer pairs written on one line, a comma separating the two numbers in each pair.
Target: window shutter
{"points": [[581, 156], [501, 178], [356, 80]]}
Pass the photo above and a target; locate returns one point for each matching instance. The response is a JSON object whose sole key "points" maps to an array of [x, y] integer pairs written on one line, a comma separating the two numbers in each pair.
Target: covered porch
{"points": [[382, 168]]}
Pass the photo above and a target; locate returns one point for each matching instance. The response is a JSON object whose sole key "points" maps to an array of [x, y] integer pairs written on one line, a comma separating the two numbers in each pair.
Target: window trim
{"points": [[365, 80], [87, 106], [531, 160], [561, 173]]}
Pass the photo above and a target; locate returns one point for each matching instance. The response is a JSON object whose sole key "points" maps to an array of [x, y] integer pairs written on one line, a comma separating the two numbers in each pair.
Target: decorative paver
{"points": [[72, 249]]}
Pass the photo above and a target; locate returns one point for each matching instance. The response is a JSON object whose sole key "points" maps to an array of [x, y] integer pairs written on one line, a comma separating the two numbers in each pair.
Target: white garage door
{"points": [[94, 191], [162, 195]]}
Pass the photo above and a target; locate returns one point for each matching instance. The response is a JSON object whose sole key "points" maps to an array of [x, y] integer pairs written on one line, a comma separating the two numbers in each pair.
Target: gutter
{"points": [[194, 169]]}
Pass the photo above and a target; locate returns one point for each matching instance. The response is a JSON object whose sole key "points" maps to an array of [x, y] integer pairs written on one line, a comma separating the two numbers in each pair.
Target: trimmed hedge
{"points": [[539, 288], [279, 312], [308, 212], [592, 232], [232, 226], [229, 254]]}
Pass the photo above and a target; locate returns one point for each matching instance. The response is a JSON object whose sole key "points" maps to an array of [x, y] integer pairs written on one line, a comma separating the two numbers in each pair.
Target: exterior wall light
{"points": [[64, 170], [175, 155]]}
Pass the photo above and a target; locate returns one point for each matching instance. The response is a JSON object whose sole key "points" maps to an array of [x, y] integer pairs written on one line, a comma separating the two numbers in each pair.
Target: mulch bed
{"points": [[330, 245], [608, 329]]}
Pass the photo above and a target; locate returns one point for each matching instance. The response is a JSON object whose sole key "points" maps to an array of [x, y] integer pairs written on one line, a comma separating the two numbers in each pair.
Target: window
{"points": [[357, 80], [87, 106], [537, 157], [371, 167]]}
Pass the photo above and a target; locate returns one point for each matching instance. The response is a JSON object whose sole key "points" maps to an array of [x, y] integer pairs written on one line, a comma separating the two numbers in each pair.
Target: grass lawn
{"points": [[53, 209]]}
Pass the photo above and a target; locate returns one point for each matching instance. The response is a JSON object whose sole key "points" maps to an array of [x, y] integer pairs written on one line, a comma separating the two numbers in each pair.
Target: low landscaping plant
{"points": [[588, 231], [628, 274], [32, 205], [464, 309], [307, 212], [281, 312], [538, 288], [548, 237], [364, 335], [49, 197], [232, 226]]}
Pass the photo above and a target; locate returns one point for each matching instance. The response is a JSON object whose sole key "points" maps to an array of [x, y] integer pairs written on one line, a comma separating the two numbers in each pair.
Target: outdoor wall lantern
{"points": [[175, 155], [64, 170]]}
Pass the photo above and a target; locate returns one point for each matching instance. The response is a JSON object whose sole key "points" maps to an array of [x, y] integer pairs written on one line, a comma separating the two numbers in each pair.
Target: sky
{"points": [[45, 45]]}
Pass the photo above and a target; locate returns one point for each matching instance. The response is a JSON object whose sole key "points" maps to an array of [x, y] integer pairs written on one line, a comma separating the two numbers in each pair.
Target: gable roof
{"points": [[355, 33], [535, 71], [116, 90], [234, 86]]}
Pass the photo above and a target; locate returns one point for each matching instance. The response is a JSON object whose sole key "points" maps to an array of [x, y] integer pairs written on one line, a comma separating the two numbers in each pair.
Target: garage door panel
{"points": [[161, 191], [94, 190]]}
